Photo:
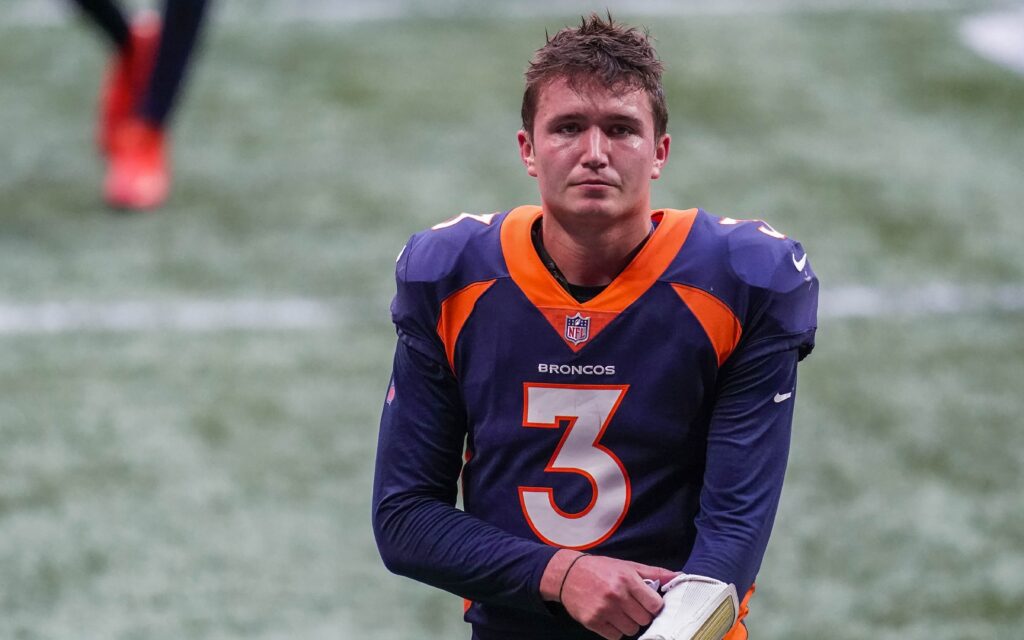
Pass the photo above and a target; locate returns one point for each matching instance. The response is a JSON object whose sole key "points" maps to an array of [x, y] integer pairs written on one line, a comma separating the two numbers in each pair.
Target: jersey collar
{"points": [[543, 291], [533, 278]]}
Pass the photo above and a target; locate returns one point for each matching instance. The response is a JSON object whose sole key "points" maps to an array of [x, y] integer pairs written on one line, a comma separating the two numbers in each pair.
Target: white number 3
{"points": [[589, 410]]}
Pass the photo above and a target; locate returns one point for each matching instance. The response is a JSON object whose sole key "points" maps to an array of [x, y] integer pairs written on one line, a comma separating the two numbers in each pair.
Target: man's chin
{"points": [[592, 205], [597, 208], [608, 209]]}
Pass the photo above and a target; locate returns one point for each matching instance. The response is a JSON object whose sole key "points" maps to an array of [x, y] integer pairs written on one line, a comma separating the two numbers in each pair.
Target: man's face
{"points": [[593, 152]]}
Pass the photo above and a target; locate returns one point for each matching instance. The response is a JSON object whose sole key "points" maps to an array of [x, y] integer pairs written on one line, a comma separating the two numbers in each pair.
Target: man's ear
{"points": [[661, 150], [526, 152]]}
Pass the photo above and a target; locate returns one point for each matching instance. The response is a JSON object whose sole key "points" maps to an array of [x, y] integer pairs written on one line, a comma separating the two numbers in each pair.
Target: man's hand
{"points": [[695, 607], [606, 595]]}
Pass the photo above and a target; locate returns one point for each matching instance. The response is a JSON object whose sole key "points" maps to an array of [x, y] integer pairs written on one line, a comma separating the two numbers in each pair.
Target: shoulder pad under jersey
{"points": [[453, 253], [763, 275]]}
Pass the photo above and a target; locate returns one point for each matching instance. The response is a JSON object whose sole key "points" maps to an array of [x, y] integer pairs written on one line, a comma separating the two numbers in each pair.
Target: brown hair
{"points": [[617, 57]]}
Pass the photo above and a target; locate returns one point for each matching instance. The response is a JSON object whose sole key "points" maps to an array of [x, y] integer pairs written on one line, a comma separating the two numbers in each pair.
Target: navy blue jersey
{"points": [[650, 423]]}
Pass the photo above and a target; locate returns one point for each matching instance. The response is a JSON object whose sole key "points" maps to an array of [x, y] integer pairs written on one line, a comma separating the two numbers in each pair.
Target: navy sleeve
{"points": [[419, 531], [747, 450], [749, 433]]}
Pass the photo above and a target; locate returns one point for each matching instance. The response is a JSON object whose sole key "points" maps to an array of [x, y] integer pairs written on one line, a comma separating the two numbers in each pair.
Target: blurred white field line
{"points": [[188, 316], [305, 314], [997, 36], [925, 300], [44, 13]]}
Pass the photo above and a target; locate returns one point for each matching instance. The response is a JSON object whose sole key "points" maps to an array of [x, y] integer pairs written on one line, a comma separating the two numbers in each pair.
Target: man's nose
{"points": [[595, 152]]}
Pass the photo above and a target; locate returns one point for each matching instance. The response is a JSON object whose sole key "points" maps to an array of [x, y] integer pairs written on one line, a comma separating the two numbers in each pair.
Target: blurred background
{"points": [[189, 397]]}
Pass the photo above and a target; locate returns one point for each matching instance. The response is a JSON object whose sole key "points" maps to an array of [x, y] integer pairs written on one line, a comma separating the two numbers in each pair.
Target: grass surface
{"points": [[216, 485]]}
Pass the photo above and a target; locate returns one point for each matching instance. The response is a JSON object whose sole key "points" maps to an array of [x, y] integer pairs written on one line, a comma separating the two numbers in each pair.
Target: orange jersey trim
{"points": [[555, 303], [455, 311], [720, 324]]}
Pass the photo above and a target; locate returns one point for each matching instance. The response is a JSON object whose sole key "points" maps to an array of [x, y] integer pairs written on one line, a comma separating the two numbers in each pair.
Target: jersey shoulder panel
{"points": [[748, 251], [450, 257], [762, 275], [452, 254]]}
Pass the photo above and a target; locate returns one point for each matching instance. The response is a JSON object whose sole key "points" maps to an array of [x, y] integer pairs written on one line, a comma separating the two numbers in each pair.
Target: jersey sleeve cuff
{"points": [[543, 557]]}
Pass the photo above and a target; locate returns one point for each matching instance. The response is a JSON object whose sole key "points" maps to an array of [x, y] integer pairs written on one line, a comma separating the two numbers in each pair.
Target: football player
{"points": [[613, 385]]}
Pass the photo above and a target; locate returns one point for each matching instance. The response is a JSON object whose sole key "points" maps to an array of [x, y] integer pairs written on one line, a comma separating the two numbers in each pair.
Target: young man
{"points": [[614, 385]]}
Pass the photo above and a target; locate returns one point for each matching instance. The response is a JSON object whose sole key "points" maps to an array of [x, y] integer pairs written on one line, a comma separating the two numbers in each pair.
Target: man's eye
{"points": [[621, 130], [567, 128]]}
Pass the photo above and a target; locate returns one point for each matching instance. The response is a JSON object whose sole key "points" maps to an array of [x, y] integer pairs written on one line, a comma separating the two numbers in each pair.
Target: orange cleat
{"points": [[138, 176], [126, 77]]}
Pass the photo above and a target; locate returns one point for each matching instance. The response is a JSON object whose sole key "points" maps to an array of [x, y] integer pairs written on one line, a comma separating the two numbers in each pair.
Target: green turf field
{"points": [[213, 482]]}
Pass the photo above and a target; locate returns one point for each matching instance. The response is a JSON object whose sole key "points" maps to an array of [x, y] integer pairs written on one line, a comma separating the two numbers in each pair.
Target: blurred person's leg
{"points": [[129, 68], [127, 75], [182, 21], [109, 18], [138, 175]]}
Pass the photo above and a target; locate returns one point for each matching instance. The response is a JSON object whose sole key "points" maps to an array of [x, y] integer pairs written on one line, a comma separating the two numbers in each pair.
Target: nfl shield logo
{"points": [[577, 328]]}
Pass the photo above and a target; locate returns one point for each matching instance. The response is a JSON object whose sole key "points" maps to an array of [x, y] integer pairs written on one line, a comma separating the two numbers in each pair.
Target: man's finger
{"points": [[623, 624], [606, 630], [655, 573], [646, 597], [638, 611], [652, 572], [641, 602]]}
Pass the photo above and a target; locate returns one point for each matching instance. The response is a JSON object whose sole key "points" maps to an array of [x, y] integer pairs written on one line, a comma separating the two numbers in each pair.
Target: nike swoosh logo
{"points": [[801, 263], [782, 397]]}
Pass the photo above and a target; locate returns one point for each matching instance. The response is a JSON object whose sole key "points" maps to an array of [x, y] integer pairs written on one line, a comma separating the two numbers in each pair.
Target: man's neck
{"points": [[590, 255]]}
